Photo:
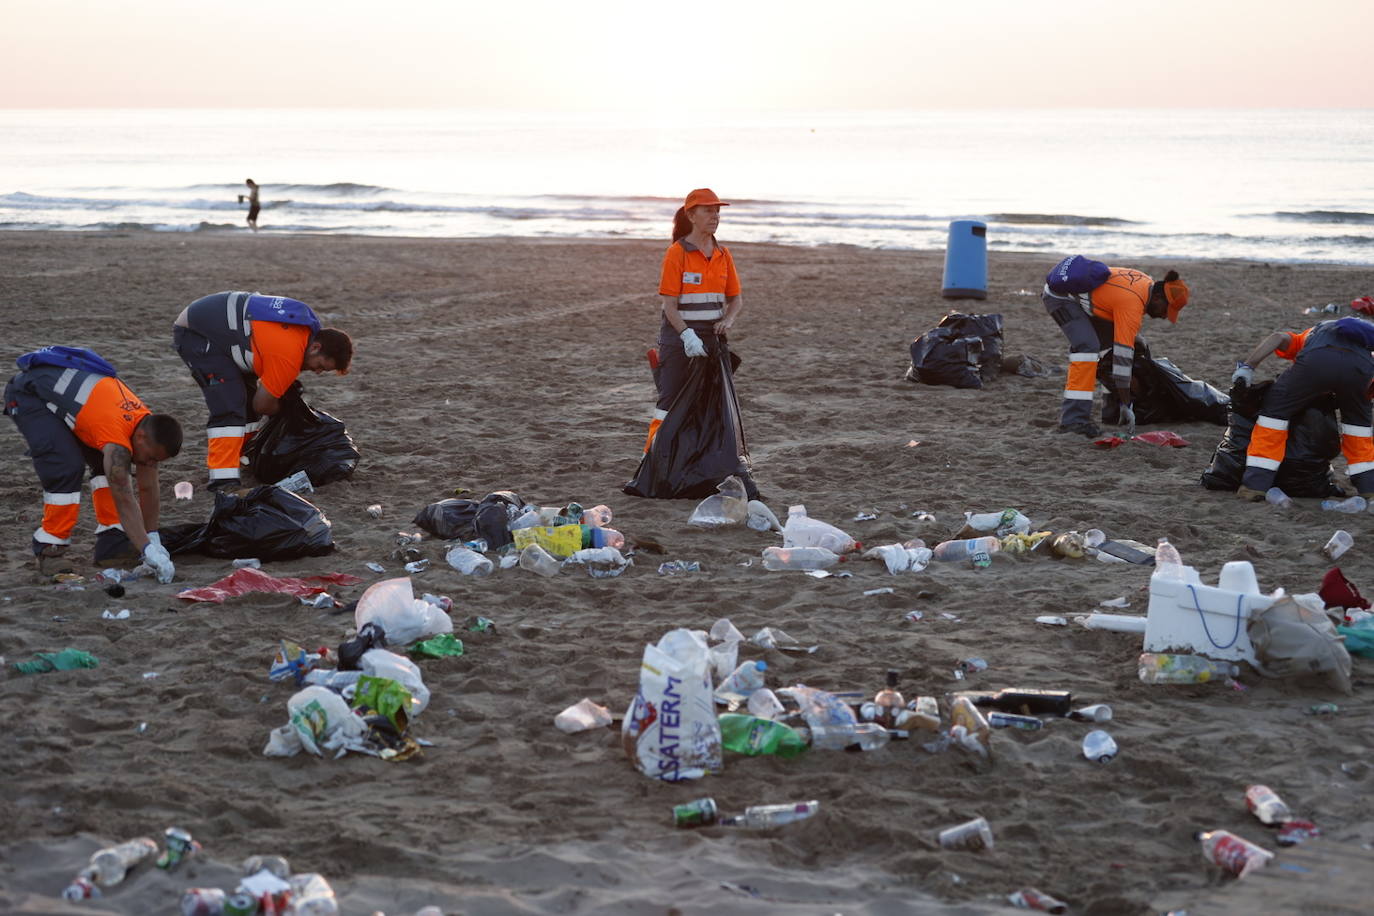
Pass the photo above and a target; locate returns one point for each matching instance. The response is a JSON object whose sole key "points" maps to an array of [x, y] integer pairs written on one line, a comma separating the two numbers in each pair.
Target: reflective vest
{"points": [[66, 391], [226, 320]]}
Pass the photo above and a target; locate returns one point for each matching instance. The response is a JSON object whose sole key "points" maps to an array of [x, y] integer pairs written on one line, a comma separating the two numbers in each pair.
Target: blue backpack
{"points": [[282, 309], [67, 358], [1077, 274], [1357, 330]]}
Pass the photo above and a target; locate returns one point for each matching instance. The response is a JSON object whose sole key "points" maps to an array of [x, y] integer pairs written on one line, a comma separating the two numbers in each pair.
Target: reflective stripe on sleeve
{"points": [[660, 414]]}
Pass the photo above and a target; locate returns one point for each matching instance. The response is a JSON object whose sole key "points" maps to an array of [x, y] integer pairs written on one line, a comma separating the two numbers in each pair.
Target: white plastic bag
{"points": [[899, 558], [601, 562], [803, 531], [670, 730], [761, 518], [728, 507], [581, 716], [392, 605], [384, 663], [323, 721]]}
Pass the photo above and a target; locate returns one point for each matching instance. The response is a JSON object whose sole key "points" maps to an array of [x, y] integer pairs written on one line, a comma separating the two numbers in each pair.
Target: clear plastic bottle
{"points": [[744, 680], [111, 864], [1236, 855], [1168, 563], [527, 519], [1276, 497], [469, 562], [798, 558], [1099, 746], [311, 895], [977, 551], [538, 560], [597, 516], [888, 702], [1168, 668], [804, 531], [752, 736], [1265, 804], [607, 537], [765, 704], [962, 713], [869, 736], [761, 817], [1349, 506]]}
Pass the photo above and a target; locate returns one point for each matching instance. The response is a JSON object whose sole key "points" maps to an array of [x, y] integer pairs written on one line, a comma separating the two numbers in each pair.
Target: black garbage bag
{"points": [[1314, 438], [266, 522], [1162, 393], [962, 350], [701, 440], [300, 438], [465, 519]]}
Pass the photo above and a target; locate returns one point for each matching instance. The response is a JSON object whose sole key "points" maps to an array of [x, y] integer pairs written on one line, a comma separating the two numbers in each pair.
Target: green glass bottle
{"points": [[754, 736]]}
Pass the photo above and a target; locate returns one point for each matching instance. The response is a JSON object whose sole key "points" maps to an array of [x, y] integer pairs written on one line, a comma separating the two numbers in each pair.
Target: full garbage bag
{"points": [[266, 522], [300, 438], [962, 350], [1162, 393], [1314, 439], [465, 519], [391, 604], [1293, 636], [670, 731], [701, 440]]}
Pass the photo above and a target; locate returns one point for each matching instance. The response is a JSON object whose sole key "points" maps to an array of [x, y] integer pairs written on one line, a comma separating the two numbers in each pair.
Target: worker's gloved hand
{"points": [[155, 538], [1244, 375], [691, 343], [1126, 419], [157, 557]]}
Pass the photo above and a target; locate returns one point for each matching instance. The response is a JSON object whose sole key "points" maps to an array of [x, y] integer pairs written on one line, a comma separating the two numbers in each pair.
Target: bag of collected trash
{"points": [[670, 731], [1162, 393], [701, 440], [267, 522], [300, 438], [1293, 636], [392, 605], [385, 663], [962, 350], [466, 519], [1314, 439], [988, 329], [729, 506]]}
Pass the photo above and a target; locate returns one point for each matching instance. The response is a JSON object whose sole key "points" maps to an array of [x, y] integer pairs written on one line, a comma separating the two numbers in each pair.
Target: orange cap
{"points": [[1176, 294], [703, 197]]}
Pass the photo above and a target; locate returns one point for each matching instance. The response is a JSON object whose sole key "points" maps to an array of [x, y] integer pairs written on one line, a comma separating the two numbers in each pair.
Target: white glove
{"points": [[691, 343], [155, 538], [156, 556], [1127, 419], [1243, 376]]}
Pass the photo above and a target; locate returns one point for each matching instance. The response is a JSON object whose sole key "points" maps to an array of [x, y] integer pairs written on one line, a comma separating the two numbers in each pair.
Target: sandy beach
{"points": [[519, 364]]}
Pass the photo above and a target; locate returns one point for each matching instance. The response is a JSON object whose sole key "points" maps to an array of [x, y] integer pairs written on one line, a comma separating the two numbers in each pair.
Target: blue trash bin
{"points": [[966, 260]]}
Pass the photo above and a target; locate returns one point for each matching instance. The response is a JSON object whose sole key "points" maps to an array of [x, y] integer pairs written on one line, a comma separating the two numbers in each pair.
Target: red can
{"points": [[202, 901]]}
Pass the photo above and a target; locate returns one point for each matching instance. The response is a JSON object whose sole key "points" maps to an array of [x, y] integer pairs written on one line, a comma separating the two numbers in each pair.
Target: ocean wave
{"points": [[1058, 219], [1325, 216]]}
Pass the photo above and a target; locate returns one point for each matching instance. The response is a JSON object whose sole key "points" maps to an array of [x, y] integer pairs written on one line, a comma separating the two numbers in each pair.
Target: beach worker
{"points": [[1333, 358], [245, 350], [1100, 310], [253, 206], [76, 413], [699, 293]]}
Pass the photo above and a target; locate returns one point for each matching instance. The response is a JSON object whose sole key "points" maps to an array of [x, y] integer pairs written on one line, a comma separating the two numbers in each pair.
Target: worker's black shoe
{"points": [[1085, 428]]}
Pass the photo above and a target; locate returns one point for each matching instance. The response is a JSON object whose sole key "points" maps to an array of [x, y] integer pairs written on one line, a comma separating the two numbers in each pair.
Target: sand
{"points": [[491, 364]]}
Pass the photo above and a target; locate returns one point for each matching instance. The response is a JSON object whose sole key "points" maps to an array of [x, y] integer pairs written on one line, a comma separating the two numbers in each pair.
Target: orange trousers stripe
{"points": [[653, 431], [1082, 376], [1268, 443]]}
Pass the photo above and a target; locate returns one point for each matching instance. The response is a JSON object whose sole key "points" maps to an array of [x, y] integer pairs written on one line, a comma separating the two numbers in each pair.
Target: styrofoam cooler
{"points": [[1211, 620], [966, 261]]}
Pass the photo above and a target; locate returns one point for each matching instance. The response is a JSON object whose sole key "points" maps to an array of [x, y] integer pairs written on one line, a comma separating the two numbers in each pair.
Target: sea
{"points": [[1272, 185]]}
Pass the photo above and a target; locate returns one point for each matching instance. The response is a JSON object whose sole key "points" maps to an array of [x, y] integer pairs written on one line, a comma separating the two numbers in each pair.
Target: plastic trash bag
{"points": [[466, 519], [300, 438], [938, 357], [1314, 439], [988, 329], [267, 522], [900, 558], [323, 721], [581, 716], [818, 707], [601, 562], [245, 581], [761, 518], [392, 605], [729, 506], [1293, 636], [701, 440], [670, 731], [1162, 393], [387, 664], [1359, 637]]}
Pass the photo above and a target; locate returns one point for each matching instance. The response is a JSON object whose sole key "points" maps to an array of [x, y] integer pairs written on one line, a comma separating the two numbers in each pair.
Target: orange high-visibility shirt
{"points": [[109, 415], [686, 270], [1293, 346], [278, 351], [1122, 299]]}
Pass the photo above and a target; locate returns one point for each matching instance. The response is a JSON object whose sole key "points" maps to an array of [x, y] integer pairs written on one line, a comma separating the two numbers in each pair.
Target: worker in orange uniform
{"points": [[74, 413], [245, 350], [1107, 317], [1333, 358]]}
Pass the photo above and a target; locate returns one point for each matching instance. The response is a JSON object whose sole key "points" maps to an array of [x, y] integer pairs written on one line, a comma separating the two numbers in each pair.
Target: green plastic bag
{"points": [[441, 646], [66, 660], [1359, 637], [386, 697]]}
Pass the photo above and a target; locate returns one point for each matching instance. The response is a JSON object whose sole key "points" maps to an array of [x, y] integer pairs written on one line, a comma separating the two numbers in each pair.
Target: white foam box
{"points": [[1187, 616]]}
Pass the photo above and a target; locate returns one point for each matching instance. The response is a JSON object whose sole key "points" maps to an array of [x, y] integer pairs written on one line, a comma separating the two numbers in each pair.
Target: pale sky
{"points": [[652, 56]]}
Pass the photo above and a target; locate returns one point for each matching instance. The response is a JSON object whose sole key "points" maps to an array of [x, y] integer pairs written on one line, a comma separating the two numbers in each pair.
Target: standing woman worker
{"points": [[694, 447]]}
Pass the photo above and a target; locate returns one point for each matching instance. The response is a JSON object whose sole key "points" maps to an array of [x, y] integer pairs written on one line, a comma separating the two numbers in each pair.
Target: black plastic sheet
{"points": [[266, 522], [701, 440], [1162, 393], [465, 519], [300, 438]]}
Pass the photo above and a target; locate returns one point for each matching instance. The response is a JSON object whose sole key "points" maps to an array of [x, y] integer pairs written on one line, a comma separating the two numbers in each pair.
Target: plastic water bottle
{"points": [[978, 551], [760, 817], [311, 895], [538, 560], [597, 516], [1099, 746], [1234, 854], [765, 704], [1265, 804], [1168, 563], [803, 531], [1349, 506], [754, 735], [1168, 668], [469, 562], [1276, 497], [867, 735], [798, 558], [744, 680], [963, 714], [606, 537], [111, 864]]}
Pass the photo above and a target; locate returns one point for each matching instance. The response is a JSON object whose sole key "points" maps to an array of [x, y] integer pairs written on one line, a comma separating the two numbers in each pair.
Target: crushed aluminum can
{"points": [[479, 545], [375, 510], [865, 517], [973, 665], [699, 812], [1028, 898], [675, 567], [179, 845], [417, 566], [1322, 709], [376, 567], [203, 901], [879, 591], [914, 616], [481, 625], [1294, 832], [1012, 720], [247, 563]]}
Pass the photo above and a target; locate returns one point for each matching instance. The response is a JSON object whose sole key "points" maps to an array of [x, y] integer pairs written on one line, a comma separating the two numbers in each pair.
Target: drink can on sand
{"points": [[1028, 898], [974, 835], [202, 901], [240, 904], [696, 813]]}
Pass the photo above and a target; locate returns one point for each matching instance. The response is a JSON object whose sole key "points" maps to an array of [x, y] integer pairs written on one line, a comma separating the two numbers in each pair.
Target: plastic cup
{"points": [[1340, 542], [183, 490]]}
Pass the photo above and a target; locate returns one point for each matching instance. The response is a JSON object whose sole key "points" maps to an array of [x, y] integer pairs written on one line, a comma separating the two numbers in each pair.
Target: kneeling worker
{"points": [[1330, 358], [75, 413], [245, 350]]}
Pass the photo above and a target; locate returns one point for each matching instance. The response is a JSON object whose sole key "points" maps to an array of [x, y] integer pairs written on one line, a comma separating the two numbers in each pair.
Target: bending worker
{"points": [[244, 350], [1107, 315], [75, 413], [1330, 358]]}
